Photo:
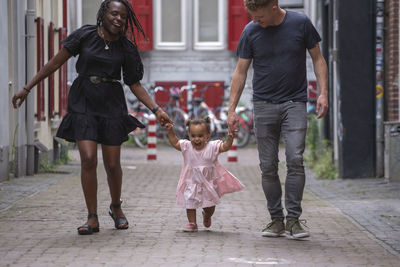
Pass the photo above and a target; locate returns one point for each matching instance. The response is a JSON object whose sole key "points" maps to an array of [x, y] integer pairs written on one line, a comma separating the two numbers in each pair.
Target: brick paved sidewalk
{"points": [[373, 204], [41, 230]]}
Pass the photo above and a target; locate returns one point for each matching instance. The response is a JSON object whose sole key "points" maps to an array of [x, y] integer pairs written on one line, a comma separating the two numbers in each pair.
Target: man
{"points": [[276, 41]]}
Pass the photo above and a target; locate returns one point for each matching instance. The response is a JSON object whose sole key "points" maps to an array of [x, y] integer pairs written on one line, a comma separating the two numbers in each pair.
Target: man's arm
{"points": [[321, 72], [237, 86]]}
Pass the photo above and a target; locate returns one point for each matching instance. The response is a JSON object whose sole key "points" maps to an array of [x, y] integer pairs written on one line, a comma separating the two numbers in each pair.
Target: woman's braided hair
{"points": [[132, 20]]}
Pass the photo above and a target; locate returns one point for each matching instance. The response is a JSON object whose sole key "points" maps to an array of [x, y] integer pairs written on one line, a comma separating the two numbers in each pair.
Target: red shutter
{"points": [[51, 77], [63, 87], [65, 17], [214, 94], [144, 11], [162, 98], [40, 112], [237, 20]]}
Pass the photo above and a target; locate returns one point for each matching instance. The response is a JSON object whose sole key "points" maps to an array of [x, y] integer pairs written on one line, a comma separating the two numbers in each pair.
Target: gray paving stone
{"points": [[41, 228]]}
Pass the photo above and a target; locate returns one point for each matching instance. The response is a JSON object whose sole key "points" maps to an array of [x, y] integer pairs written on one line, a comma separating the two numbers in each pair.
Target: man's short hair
{"points": [[253, 5]]}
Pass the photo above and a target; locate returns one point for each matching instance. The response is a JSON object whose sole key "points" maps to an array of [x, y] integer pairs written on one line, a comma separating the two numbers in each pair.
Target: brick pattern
{"points": [[392, 59], [41, 230]]}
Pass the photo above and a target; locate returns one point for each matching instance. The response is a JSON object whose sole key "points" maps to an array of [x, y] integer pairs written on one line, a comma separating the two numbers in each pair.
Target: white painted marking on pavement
{"points": [[269, 261]]}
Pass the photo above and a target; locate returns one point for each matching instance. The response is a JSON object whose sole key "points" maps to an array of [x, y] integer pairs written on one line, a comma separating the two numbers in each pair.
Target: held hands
{"points": [[169, 126], [231, 135], [163, 118], [322, 106], [20, 97], [233, 123]]}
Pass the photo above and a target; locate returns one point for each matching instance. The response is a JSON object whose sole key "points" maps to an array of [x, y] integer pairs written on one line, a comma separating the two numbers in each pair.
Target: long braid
{"points": [[132, 20]]}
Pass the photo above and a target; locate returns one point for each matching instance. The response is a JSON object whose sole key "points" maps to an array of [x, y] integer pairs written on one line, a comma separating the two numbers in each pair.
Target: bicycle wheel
{"points": [[140, 135], [243, 137], [179, 117]]}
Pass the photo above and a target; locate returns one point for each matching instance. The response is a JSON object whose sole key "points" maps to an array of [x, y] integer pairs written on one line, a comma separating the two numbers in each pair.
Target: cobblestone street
{"points": [[38, 222]]}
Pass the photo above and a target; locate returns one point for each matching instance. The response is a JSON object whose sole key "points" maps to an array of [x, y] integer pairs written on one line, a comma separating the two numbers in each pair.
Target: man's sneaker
{"points": [[295, 230], [274, 229]]}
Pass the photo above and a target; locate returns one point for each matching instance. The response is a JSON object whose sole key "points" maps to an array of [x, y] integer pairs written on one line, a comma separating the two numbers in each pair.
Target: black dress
{"points": [[98, 112]]}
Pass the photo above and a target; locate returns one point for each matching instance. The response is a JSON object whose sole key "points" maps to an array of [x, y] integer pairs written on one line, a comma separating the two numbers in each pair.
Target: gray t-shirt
{"points": [[279, 57]]}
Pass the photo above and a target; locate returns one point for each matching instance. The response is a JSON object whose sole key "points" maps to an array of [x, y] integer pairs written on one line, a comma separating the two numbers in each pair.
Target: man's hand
{"points": [[322, 106], [233, 123]]}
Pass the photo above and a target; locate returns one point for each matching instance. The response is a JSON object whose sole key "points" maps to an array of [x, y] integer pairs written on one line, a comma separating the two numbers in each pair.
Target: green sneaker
{"points": [[295, 230], [275, 228]]}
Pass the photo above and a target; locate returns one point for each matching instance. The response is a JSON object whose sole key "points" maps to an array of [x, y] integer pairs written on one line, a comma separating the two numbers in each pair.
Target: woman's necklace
{"points": [[106, 44]]}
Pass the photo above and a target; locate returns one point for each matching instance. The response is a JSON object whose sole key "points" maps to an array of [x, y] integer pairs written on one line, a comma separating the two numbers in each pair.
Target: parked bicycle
{"points": [[172, 108], [219, 116], [138, 110]]}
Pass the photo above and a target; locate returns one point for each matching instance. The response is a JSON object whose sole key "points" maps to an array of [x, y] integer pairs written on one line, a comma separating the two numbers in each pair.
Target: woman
{"points": [[97, 111]]}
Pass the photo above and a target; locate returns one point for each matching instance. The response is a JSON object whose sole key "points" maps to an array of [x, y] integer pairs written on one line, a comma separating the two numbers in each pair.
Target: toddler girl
{"points": [[203, 180]]}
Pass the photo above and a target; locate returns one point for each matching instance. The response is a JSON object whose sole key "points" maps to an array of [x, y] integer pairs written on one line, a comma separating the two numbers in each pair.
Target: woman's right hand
{"points": [[19, 98]]}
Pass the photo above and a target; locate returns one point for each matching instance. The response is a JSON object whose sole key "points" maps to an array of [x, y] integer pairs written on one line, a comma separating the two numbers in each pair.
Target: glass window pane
{"points": [[208, 20], [171, 21]]}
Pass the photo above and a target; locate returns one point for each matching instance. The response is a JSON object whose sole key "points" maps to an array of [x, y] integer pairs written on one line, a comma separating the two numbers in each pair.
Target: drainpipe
{"points": [[379, 69], [30, 71]]}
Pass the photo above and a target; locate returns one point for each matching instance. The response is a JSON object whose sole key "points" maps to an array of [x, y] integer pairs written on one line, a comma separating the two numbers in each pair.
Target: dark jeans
{"points": [[271, 121]]}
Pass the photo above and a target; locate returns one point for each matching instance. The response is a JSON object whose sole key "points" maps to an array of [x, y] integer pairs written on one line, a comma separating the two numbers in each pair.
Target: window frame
{"points": [[217, 45], [159, 45]]}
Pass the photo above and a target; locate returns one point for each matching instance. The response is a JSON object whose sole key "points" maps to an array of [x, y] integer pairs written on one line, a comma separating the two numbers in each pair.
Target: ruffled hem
{"points": [[198, 191], [106, 131]]}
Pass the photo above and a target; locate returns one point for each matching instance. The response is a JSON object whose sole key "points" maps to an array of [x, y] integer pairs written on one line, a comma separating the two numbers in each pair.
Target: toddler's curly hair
{"points": [[206, 121]]}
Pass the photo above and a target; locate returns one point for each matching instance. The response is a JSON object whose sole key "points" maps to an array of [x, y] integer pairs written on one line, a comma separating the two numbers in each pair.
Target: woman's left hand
{"points": [[163, 117]]}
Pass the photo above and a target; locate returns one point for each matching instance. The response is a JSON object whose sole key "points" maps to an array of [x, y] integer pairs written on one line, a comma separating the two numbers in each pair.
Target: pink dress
{"points": [[203, 179]]}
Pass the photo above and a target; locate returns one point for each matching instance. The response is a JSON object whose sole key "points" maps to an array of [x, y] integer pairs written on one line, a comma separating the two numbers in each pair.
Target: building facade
{"points": [[31, 31], [362, 53], [195, 45], [392, 59]]}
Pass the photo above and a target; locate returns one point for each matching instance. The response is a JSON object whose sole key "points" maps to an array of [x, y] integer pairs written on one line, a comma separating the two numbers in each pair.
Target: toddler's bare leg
{"points": [[209, 211], [191, 215]]}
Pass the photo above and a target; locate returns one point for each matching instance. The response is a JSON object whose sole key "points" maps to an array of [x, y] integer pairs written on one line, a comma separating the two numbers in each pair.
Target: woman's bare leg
{"points": [[88, 154], [112, 164]]}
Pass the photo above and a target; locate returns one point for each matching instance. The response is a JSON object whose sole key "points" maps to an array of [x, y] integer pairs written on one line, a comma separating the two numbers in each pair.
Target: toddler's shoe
{"points": [[190, 227], [206, 220]]}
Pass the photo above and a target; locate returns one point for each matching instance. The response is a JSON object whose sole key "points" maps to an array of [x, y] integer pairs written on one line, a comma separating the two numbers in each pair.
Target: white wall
{"points": [[4, 92]]}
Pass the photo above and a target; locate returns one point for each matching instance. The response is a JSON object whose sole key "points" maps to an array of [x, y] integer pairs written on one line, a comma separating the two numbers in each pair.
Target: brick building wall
{"points": [[392, 60]]}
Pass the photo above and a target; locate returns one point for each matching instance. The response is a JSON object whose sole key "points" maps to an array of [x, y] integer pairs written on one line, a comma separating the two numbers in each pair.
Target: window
{"points": [[170, 24], [209, 24]]}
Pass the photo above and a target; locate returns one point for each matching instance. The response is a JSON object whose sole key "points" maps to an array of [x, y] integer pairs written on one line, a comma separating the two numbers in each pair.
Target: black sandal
{"points": [[118, 221], [89, 229]]}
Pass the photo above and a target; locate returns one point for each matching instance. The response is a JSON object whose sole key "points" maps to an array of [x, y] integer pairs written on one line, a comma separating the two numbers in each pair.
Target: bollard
{"points": [[232, 153], [152, 139]]}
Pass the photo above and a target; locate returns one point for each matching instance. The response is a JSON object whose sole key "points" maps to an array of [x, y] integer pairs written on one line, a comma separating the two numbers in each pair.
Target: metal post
{"points": [[30, 71], [379, 68]]}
